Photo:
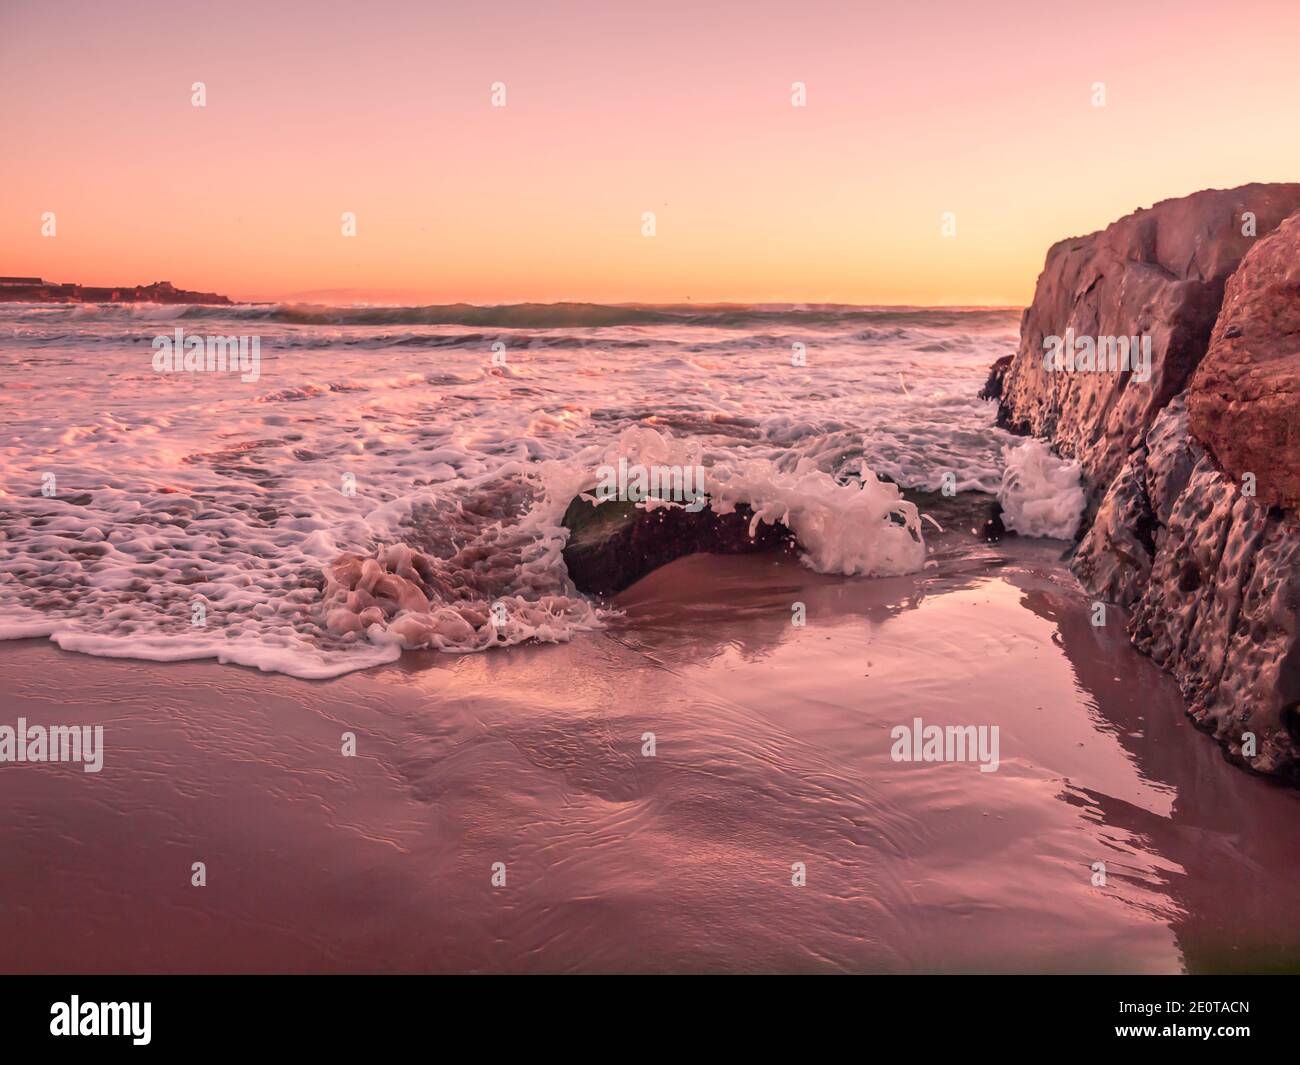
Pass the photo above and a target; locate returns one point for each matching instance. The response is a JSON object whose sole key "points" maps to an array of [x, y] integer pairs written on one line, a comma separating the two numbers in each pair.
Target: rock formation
{"points": [[1159, 272], [997, 376], [613, 545], [1205, 558], [1245, 399]]}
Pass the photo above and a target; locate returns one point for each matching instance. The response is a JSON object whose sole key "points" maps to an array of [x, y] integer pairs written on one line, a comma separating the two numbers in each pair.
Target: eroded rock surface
{"points": [[1113, 560], [1209, 573], [1221, 611], [1212, 580], [1245, 398], [1159, 272]]}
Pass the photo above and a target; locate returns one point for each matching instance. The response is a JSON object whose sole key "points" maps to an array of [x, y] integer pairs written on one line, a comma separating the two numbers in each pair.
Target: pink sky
{"points": [[614, 109]]}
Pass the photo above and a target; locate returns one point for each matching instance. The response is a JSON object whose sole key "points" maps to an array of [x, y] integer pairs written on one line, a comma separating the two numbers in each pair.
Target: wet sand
{"points": [[772, 748]]}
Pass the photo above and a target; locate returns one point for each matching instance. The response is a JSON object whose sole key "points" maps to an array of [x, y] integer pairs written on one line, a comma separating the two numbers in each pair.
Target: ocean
{"points": [[156, 513]]}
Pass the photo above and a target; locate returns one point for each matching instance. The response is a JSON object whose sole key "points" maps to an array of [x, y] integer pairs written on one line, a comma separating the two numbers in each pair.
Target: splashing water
{"points": [[386, 482], [1042, 493]]}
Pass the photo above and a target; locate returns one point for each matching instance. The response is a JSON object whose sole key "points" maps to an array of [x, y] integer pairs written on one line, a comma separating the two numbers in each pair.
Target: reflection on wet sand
{"points": [[1223, 834], [771, 749]]}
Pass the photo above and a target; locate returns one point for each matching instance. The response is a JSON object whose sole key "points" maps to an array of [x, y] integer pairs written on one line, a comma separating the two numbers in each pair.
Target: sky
{"points": [[984, 112]]}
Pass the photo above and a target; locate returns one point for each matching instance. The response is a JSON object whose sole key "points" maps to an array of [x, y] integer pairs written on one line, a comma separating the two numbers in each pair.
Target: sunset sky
{"points": [[614, 109]]}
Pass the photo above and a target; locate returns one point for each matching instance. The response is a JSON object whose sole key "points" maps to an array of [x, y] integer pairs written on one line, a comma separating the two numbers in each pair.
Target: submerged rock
{"points": [[997, 374], [959, 515], [614, 544]]}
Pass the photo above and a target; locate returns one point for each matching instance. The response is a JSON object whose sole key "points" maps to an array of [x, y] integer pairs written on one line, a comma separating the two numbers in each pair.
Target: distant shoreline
{"points": [[38, 290]]}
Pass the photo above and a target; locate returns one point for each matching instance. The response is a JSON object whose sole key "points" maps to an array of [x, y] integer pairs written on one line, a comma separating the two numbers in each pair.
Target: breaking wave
{"points": [[382, 489], [540, 315]]}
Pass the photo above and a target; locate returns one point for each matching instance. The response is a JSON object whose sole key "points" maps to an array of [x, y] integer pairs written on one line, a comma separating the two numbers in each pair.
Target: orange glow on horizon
{"points": [[384, 110]]}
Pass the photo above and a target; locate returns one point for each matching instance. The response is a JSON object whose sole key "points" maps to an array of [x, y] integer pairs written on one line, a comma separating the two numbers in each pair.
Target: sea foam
{"points": [[386, 485], [1042, 493]]}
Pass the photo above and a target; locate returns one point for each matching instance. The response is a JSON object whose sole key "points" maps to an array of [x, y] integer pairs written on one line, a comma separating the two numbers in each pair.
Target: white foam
{"points": [[184, 488], [1042, 493], [861, 528]]}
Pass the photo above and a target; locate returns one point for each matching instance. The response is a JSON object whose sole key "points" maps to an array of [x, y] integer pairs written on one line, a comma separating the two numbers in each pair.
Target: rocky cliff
{"points": [[1194, 473], [1159, 273]]}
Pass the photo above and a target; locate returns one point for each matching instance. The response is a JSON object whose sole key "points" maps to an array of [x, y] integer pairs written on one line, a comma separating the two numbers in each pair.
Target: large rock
{"points": [[1245, 398], [1159, 272], [1114, 558], [1209, 573], [1221, 611], [1212, 580]]}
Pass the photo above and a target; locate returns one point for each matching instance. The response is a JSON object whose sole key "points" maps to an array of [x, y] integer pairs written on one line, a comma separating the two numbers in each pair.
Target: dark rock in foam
{"points": [[997, 375], [613, 544]]}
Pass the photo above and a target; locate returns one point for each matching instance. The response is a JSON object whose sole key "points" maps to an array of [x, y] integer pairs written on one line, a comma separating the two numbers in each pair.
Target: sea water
{"points": [[390, 475]]}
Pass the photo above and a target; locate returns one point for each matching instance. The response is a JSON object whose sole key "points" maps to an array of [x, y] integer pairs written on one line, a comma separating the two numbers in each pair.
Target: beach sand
{"points": [[772, 747]]}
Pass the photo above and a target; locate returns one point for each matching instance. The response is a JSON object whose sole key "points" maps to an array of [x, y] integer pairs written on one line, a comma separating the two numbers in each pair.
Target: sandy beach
{"points": [[772, 748], [596, 489]]}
